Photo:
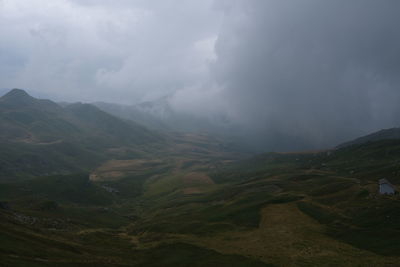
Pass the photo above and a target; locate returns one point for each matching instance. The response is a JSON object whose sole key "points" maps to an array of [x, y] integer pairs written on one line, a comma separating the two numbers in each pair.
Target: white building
{"points": [[386, 188]]}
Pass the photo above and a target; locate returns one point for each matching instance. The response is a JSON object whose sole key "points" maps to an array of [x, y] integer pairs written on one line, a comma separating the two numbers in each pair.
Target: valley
{"points": [[199, 133], [145, 198]]}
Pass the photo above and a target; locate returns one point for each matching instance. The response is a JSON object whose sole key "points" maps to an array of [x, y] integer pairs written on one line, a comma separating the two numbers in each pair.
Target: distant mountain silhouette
{"points": [[161, 115], [16, 95], [385, 134]]}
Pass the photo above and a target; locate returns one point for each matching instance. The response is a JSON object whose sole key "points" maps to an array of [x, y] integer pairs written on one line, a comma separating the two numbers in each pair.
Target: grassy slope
{"points": [[39, 137], [68, 220], [315, 209], [337, 189]]}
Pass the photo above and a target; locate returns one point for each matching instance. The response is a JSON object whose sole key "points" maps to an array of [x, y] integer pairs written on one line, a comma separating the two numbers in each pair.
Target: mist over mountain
{"points": [[314, 72], [81, 186], [287, 75], [162, 115], [223, 133]]}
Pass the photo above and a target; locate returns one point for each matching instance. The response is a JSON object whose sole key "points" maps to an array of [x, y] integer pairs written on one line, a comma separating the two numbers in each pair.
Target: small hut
{"points": [[386, 188]]}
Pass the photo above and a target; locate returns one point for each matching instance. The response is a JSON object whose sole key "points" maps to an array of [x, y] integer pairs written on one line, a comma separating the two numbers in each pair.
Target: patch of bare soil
{"points": [[116, 169], [192, 190], [196, 182], [197, 178], [33, 141]]}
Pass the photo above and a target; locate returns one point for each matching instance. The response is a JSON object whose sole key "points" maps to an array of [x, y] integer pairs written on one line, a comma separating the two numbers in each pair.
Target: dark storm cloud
{"points": [[310, 72]]}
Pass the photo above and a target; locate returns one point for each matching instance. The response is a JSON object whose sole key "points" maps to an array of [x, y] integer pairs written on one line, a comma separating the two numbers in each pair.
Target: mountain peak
{"points": [[16, 96], [16, 93]]}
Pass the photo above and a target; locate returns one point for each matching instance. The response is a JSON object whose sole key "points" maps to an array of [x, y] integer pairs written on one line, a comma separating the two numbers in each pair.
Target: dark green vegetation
{"points": [[69, 220], [151, 221], [87, 189], [39, 137], [339, 190], [385, 134]]}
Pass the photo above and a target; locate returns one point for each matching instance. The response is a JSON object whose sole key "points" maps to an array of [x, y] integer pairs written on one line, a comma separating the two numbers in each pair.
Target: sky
{"points": [[121, 51], [291, 74]]}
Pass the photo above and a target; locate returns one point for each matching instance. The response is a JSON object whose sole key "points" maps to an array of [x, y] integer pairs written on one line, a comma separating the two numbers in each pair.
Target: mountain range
{"points": [[58, 139], [83, 187]]}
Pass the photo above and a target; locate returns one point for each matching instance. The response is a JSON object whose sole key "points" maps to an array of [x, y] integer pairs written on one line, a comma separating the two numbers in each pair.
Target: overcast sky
{"points": [[106, 50], [319, 71]]}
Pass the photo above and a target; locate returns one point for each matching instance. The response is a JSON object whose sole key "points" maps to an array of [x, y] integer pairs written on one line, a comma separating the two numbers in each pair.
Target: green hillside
{"points": [[39, 137], [384, 134], [337, 188]]}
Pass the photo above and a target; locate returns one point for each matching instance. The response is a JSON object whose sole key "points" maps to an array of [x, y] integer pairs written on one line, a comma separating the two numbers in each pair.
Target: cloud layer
{"points": [[99, 50]]}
